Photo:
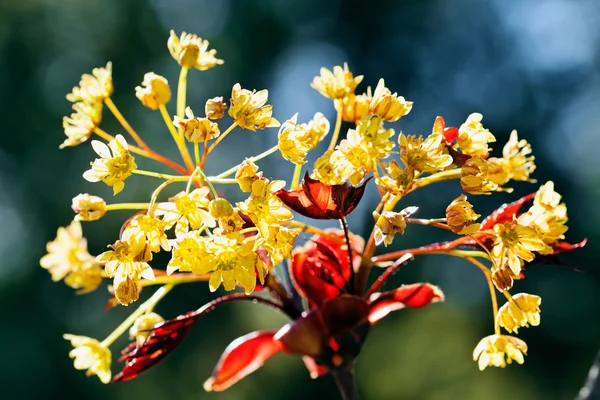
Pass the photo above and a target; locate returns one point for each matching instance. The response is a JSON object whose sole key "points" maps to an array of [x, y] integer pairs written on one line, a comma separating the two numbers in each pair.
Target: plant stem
{"points": [[127, 206], [181, 92], [338, 125], [115, 111], [344, 379], [262, 155], [179, 139], [438, 177], [488, 277], [296, 178], [221, 137]]}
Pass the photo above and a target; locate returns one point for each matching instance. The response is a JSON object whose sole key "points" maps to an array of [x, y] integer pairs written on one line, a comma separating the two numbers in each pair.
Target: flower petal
{"points": [[242, 357], [307, 335], [414, 296]]}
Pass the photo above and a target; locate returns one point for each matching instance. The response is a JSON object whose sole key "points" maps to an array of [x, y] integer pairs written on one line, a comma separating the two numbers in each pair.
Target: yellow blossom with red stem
{"points": [[238, 244]]}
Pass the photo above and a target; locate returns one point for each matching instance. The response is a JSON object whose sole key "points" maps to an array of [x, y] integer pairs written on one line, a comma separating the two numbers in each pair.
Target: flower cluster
{"points": [[232, 245]]}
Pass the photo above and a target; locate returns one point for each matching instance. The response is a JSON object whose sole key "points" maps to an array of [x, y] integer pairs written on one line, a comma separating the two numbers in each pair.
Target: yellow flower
{"points": [[355, 107], [399, 181], [315, 131], [292, 143], [91, 355], [88, 207], [187, 210], [427, 155], [279, 244], [190, 51], [247, 174], [522, 310], [142, 327], [112, 168], [387, 105], [68, 258], [491, 351], [187, 252], [196, 130], [461, 217], [336, 85], [94, 88], [325, 171], [147, 229], [228, 219], [474, 177], [376, 137], [473, 138], [352, 158], [215, 108], [81, 124], [514, 244], [124, 264], [516, 152], [248, 109], [228, 257], [154, 92], [547, 215], [389, 223], [233, 262], [264, 207]]}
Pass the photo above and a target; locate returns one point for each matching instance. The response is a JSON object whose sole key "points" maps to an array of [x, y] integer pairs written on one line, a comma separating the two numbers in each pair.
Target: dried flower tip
{"points": [[473, 138], [114, 165], [522, 310], [142, 327], [90, 355], [355, 107], [190, 51], [215, 108], [249, 111], [94, 88], [246, 174], [491, 351], [196, 130], [88, 207], [154, 92], [461, 217], [388, 106], [337, 84], [474, 177], [81, 124], [389, 223]]}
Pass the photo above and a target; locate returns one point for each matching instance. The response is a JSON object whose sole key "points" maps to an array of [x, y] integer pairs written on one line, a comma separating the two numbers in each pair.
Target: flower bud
{"points": [[461, 217], [246, 175], [196, 130], [215, 108], [387, 105], [154, 91], [142, 327], [474, 177], [88, 207]]}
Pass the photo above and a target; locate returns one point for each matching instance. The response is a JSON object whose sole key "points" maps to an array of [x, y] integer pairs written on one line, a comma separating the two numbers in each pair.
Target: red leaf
{"points": [[314, 369], [307, 335], [242, 357], [450, 133], [344, 313], [559, 247], [319, 201], [505, 213], [320, 270], [164, 338], [414, 296]]}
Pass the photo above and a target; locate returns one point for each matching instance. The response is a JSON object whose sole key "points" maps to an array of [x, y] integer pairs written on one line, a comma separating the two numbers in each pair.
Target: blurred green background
{"points": [[528, 65]]}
